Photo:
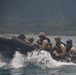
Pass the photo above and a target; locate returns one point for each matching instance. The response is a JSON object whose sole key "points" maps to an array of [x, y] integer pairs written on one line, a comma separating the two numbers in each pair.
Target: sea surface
{"points": [[38, 62]]}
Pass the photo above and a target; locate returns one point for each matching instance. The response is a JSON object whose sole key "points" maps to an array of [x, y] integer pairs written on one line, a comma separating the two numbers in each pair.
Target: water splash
{"points": [[2, 62], [39, 58], [42, 59], [17, 61]]}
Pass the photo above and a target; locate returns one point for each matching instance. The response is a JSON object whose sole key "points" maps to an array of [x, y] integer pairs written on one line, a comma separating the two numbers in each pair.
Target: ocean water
{"points": [[38, 62]]}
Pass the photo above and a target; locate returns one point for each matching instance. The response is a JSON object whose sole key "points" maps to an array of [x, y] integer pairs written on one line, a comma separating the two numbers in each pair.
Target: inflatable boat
{"points": [[9, 45]]}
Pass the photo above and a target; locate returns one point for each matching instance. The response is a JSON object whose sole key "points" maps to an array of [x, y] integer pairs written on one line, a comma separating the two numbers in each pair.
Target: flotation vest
{"points": [[68, 48], [68, 51], [58, 46]]}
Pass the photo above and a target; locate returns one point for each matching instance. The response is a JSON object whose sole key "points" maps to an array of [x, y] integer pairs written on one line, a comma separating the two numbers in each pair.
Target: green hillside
{"points": [[52, 27], [32, 16]]}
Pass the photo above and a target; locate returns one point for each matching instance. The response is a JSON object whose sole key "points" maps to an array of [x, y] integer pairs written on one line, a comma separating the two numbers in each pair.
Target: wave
{"points": [[38, 58]]}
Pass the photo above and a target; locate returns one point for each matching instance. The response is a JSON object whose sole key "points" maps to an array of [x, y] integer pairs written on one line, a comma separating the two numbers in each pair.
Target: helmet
{"points": [[22, 36], [30, 38], [69, 41], [41, 34], [57, 38]]}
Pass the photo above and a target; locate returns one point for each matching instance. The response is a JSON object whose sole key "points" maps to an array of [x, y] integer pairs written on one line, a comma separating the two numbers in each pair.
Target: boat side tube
{"points": [[5, 40], [23, 46]]}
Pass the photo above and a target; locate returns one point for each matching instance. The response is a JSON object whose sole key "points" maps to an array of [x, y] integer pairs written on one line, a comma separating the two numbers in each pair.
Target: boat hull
{"points": [[9, 45]]}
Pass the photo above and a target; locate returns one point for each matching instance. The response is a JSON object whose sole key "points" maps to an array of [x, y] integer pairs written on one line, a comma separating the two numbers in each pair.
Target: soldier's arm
{"points": [[63, 48]]}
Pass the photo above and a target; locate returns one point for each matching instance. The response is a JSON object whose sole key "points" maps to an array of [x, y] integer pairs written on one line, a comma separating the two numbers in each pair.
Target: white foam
{"points": [[44, 59], [2, 62], [17, 61], [39, 58]]}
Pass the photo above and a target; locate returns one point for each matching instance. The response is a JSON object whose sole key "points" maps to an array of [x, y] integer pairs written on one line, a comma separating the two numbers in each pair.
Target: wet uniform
{"points": [[70, 56], [58, 47], [58, 50]]}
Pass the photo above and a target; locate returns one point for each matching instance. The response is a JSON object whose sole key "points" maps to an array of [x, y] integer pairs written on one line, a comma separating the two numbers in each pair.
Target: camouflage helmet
{"points": [[57, 38], [41, 34], [22, 36], [30, 38], [69, 41]]}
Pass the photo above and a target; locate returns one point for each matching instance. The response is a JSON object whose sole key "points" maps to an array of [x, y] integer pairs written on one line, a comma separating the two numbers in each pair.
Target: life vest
{"points": [[58, 46], [68, 49]]}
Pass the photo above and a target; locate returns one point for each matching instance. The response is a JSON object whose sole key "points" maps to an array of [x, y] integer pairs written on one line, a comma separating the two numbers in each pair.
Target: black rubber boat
{"points": [[9, 45]]}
